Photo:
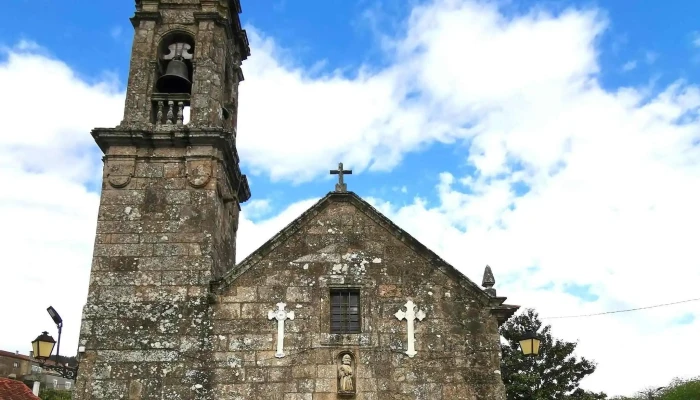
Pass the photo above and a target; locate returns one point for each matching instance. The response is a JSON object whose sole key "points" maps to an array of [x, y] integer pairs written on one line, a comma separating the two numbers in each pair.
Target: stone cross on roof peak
{"points": [[341, 186]]}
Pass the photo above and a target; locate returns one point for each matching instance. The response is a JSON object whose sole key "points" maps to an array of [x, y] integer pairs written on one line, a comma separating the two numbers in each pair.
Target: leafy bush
{"points": [[680, 389], [53, 394]]}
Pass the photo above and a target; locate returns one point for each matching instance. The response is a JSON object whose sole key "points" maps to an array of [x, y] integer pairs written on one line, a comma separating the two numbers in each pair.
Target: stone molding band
{"points": [[218, 138]]}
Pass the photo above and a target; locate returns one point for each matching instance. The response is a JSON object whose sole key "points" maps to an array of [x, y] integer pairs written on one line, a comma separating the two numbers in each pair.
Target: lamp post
{"points": [[530, 346], [43, 346]]}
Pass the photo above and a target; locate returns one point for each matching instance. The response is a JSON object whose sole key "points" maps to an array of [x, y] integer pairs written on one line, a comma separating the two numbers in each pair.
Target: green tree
{"points": [[651, 393], [678, 389], [580, 394], [682, 389], [552, 375]]}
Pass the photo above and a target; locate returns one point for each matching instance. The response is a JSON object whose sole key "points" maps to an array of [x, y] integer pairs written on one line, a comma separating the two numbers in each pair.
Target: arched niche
{"points": [[175, 63], [346, 364]]}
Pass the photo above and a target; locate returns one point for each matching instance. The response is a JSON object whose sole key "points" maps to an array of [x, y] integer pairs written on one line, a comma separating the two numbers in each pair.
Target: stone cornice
{"points": [[209, 16], [181, 138], [237, 32], [235, 5], [502, 311], [243, 44], [145, 16]]}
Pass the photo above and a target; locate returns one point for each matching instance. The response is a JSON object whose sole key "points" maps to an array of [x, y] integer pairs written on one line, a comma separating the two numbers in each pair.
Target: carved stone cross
{"points": [[341, 186], [410, 315], [280, 315]]}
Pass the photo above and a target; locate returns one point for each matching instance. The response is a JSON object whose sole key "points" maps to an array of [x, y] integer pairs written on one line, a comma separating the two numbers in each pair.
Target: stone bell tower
{"points": [[169, 208]]}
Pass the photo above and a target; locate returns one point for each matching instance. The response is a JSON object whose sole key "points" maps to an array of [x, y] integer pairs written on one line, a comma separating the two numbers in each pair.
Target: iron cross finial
{"points": [[341, 186]]}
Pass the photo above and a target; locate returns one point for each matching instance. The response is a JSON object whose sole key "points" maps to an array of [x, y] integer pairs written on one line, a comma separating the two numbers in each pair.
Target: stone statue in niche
{"points": [[346, 375]]}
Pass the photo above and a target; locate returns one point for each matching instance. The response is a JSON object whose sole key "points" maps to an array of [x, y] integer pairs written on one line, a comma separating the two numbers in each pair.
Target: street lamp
{"points": [[55, 317], [43, 346], [530, 344], [59, 324]]}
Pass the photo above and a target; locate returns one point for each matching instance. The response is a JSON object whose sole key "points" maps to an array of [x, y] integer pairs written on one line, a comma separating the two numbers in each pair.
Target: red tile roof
{"points": [[11, 389]]}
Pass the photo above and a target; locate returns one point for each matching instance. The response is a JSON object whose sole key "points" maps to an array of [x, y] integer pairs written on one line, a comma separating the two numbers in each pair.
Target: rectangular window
{"points": [[67, 385], [16, 365], [345, 311], [55, 383]]}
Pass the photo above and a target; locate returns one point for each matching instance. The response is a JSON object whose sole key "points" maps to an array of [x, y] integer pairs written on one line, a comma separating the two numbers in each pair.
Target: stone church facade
{"points": [[341, 304]]}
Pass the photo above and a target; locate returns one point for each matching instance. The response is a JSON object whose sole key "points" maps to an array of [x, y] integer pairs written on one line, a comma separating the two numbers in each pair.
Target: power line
{"points": [[621, 311]]}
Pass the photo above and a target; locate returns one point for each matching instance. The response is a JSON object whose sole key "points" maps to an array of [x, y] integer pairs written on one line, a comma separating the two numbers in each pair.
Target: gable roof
{"points": [[18, 356], [503, 311], [11, 389]]}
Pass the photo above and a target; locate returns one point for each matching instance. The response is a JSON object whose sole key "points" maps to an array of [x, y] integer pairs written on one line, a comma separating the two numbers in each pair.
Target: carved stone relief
{"points": [[346, 374], [411, 314], [280, 315], [198, 172], [119, 172]]}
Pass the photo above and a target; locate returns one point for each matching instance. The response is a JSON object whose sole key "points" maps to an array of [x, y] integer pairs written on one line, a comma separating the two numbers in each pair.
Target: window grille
{"points": [[345, 311]]}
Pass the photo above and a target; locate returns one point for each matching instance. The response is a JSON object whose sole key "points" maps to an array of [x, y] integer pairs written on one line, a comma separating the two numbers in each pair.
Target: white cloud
{"points": [[650, 57], [252, 235], [695, 39], [255, 208], [306, 120], [537, 52], [48, 215], [116, 32], [629, 66], [612, 173]]}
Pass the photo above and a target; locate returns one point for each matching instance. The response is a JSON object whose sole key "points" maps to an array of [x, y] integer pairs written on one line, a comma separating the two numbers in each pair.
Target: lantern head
{"points": [[43, 346]]}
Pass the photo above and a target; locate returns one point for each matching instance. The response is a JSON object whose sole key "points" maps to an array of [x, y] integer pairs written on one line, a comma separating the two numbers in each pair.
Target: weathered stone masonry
{"points": [[170, 316], [344, 242], [159, 243], [169, 209]]}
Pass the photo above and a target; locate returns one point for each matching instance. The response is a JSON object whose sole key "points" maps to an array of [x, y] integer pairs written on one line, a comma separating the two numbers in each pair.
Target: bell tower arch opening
{"points": [[172, 91], [175, 64]]}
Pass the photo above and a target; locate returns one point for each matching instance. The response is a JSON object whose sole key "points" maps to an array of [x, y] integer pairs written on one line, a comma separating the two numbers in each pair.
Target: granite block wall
{"points": [[342, 247]]}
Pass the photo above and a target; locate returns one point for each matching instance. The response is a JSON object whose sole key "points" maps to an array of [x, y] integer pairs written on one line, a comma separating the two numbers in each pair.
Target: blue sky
{"points": [[342, 33], [555, 141], [326, 37]]}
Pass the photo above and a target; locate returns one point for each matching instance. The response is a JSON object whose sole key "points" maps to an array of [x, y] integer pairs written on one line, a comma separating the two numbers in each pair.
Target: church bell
{"points": [[175, 79]]}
